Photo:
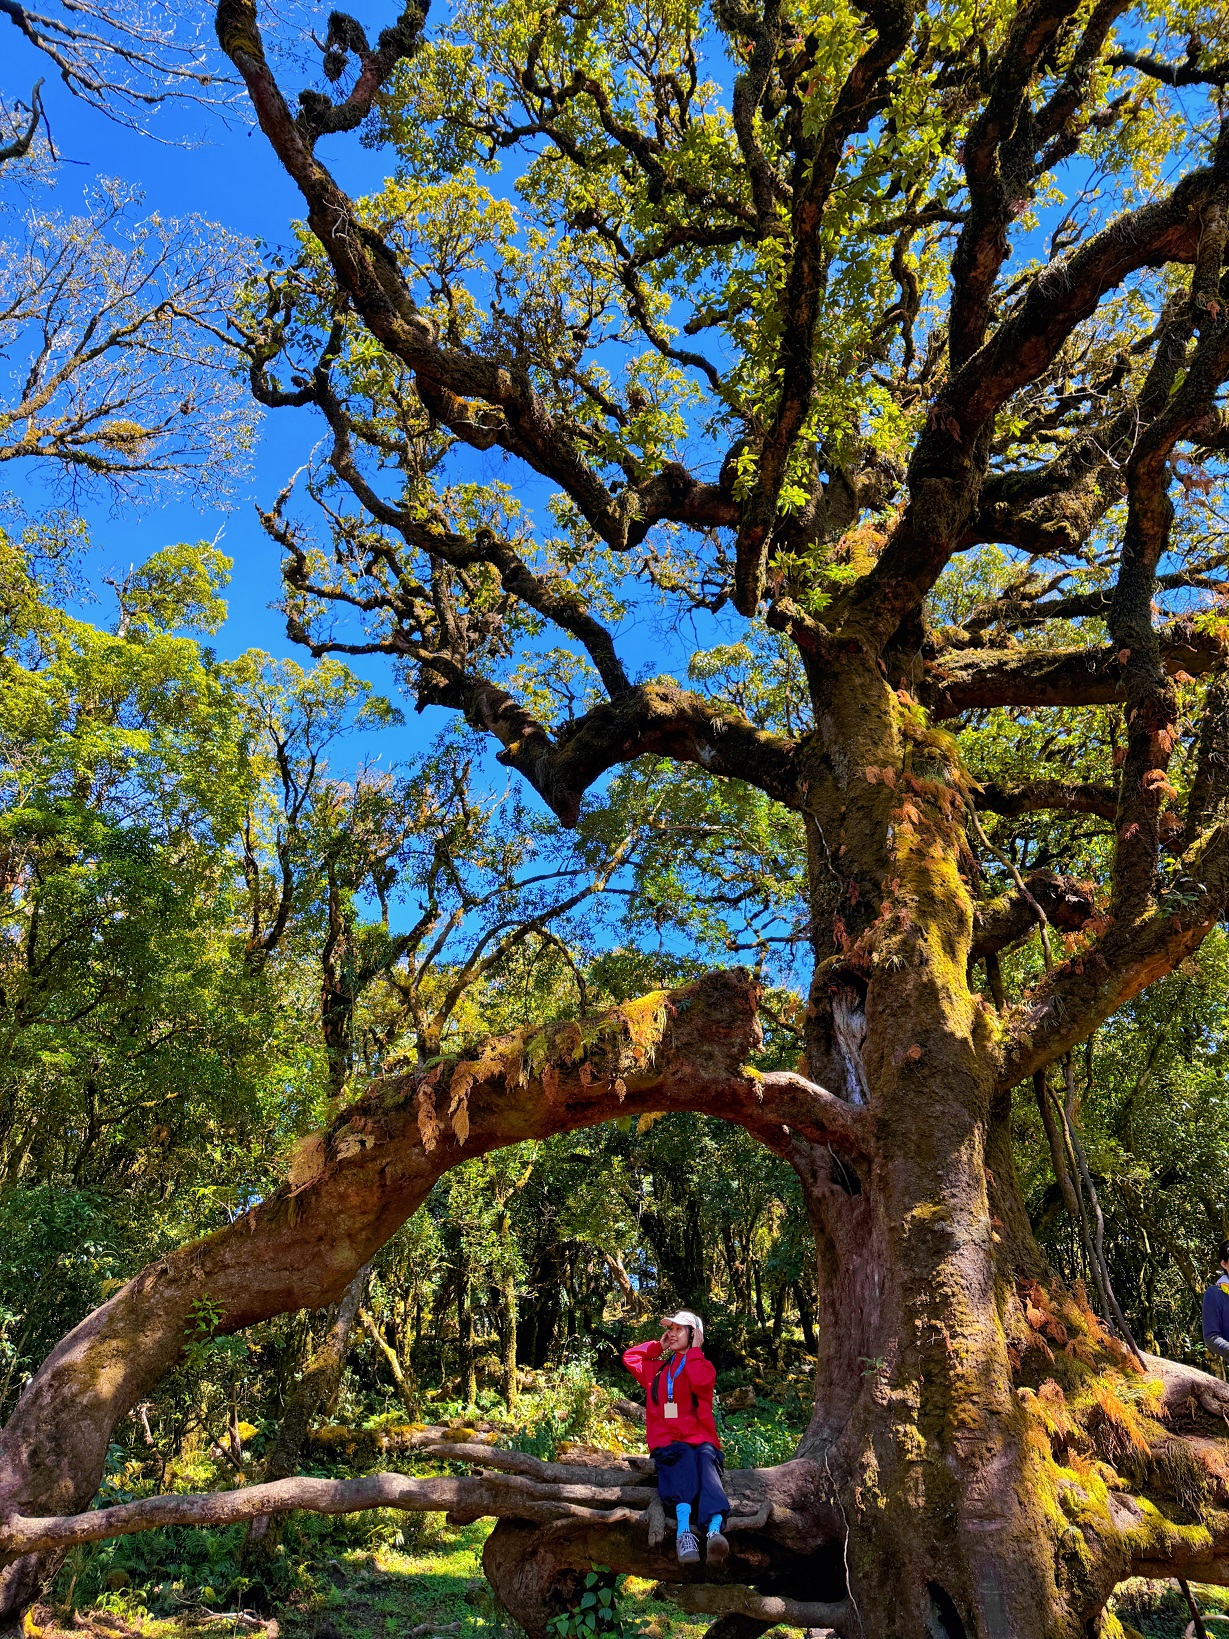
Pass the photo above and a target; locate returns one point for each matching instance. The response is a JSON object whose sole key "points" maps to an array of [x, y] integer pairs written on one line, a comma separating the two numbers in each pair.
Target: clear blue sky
{"points": [[191, 164]]}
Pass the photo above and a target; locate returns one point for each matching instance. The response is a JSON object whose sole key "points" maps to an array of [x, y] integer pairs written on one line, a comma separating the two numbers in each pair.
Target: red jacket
{"points": [[693, 1395]]}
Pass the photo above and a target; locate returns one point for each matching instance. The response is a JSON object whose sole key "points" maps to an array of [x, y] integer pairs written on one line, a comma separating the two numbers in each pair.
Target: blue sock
{"points": [[714, 1525], [683, 1510]]}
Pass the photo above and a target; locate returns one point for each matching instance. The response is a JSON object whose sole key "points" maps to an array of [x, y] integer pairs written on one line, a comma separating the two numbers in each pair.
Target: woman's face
{"points": [[676, 1337]]}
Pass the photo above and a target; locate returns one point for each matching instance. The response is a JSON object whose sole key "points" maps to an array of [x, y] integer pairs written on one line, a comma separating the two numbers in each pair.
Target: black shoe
{"points": [[718, 1548]]}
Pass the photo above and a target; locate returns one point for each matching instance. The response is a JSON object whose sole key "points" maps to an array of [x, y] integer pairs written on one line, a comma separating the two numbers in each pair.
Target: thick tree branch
{"points": [[1209, 793], [554, 1492], [999, 155], [1175, 74], [516, 416], [552, 596], [1131, 954], [1068, 905], [1018, 676], [351, 1187], [20, 145], [709, 1599], [656, 719], [1038, 796], [1151, 699]]}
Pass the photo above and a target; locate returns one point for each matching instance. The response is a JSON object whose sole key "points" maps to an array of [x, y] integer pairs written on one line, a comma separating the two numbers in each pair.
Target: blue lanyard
{"points": [[672, 1376]]}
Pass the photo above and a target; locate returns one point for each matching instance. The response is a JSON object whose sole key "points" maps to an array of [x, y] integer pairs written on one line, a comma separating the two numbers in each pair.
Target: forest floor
{"points": [[428, 1588], [434, 1589]]}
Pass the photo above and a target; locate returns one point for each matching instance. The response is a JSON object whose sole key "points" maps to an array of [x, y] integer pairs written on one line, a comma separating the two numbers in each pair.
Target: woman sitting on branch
{"points": [[682, 1434]]}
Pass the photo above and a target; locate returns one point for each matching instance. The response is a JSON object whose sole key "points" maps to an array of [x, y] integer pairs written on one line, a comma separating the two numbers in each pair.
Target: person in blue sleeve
{"points": [[1216, 1308]]}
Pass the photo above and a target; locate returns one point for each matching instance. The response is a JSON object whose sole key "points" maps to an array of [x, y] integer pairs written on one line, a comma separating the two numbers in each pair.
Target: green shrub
{"points": [[598, 1614]]}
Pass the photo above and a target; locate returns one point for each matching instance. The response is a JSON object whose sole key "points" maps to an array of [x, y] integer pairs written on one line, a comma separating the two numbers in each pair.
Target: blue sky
{"points": [[190, 163]]}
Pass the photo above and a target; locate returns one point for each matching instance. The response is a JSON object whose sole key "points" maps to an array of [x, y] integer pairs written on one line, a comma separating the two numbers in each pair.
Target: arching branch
{"points": [[352, 1186], [653, 718]]}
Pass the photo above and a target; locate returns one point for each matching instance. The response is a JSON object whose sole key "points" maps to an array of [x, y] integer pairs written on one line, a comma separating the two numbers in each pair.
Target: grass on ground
{"points": [[433, 1584]]}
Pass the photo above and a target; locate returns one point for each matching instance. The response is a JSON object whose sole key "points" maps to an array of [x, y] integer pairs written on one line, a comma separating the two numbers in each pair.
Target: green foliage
{"points": [[758, 1441], [598, 1611], [60, 1250], [1152, 1106]]}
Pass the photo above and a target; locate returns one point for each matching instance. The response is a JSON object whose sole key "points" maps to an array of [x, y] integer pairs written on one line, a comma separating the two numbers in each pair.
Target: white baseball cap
{"points": [[685, 1317]]}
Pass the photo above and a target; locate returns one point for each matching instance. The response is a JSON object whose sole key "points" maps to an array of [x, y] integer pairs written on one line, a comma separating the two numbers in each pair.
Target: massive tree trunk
{"points": [[916, 1412], [956, 1477]]}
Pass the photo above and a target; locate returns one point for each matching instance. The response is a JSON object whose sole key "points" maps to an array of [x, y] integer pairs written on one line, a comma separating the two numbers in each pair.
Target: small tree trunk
{"points": [[806, 1315], [465, 1330], [405, 1385], [314, 1392], [778, 1321], [336, 995], [760, 1312], [507, 1304]]}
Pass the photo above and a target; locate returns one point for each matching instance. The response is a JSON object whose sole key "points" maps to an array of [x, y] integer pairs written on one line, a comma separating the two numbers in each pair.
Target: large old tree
{"points": [[893, 331]]}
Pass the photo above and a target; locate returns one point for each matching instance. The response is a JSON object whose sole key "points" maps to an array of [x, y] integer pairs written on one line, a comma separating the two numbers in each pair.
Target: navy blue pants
{"points": [[692, 1474]]}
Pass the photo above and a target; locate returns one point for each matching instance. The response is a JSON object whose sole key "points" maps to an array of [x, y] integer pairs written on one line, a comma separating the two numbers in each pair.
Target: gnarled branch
{"points": [[352, 1186], [1038, 796], [981, 678], [1068, 904]]}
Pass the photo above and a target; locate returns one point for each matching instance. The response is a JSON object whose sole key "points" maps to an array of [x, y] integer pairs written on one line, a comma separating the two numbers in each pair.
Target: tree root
{"points": [[1187, 1390], [712, 1599]]}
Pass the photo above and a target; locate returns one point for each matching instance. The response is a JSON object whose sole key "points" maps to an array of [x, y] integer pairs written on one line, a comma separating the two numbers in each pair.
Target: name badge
{"points": [[670, 1409]]}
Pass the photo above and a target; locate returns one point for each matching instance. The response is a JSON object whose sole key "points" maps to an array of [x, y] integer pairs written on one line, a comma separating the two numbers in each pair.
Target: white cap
{"points": [[685, 1317]]}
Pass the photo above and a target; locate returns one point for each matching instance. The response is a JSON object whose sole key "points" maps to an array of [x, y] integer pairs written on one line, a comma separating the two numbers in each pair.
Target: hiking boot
{"points": [[718, 1548], [688, 1548]]}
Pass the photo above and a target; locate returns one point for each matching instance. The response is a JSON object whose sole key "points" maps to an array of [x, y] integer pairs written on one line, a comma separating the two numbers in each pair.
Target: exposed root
{"points": [[710, 1599]]}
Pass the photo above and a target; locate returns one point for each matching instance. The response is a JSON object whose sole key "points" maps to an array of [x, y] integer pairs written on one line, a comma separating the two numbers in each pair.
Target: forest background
{"points": [[239, 884]]}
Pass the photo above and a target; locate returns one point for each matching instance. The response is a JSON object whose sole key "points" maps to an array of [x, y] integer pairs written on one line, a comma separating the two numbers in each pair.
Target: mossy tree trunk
{"points": [[916, 1416]]}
